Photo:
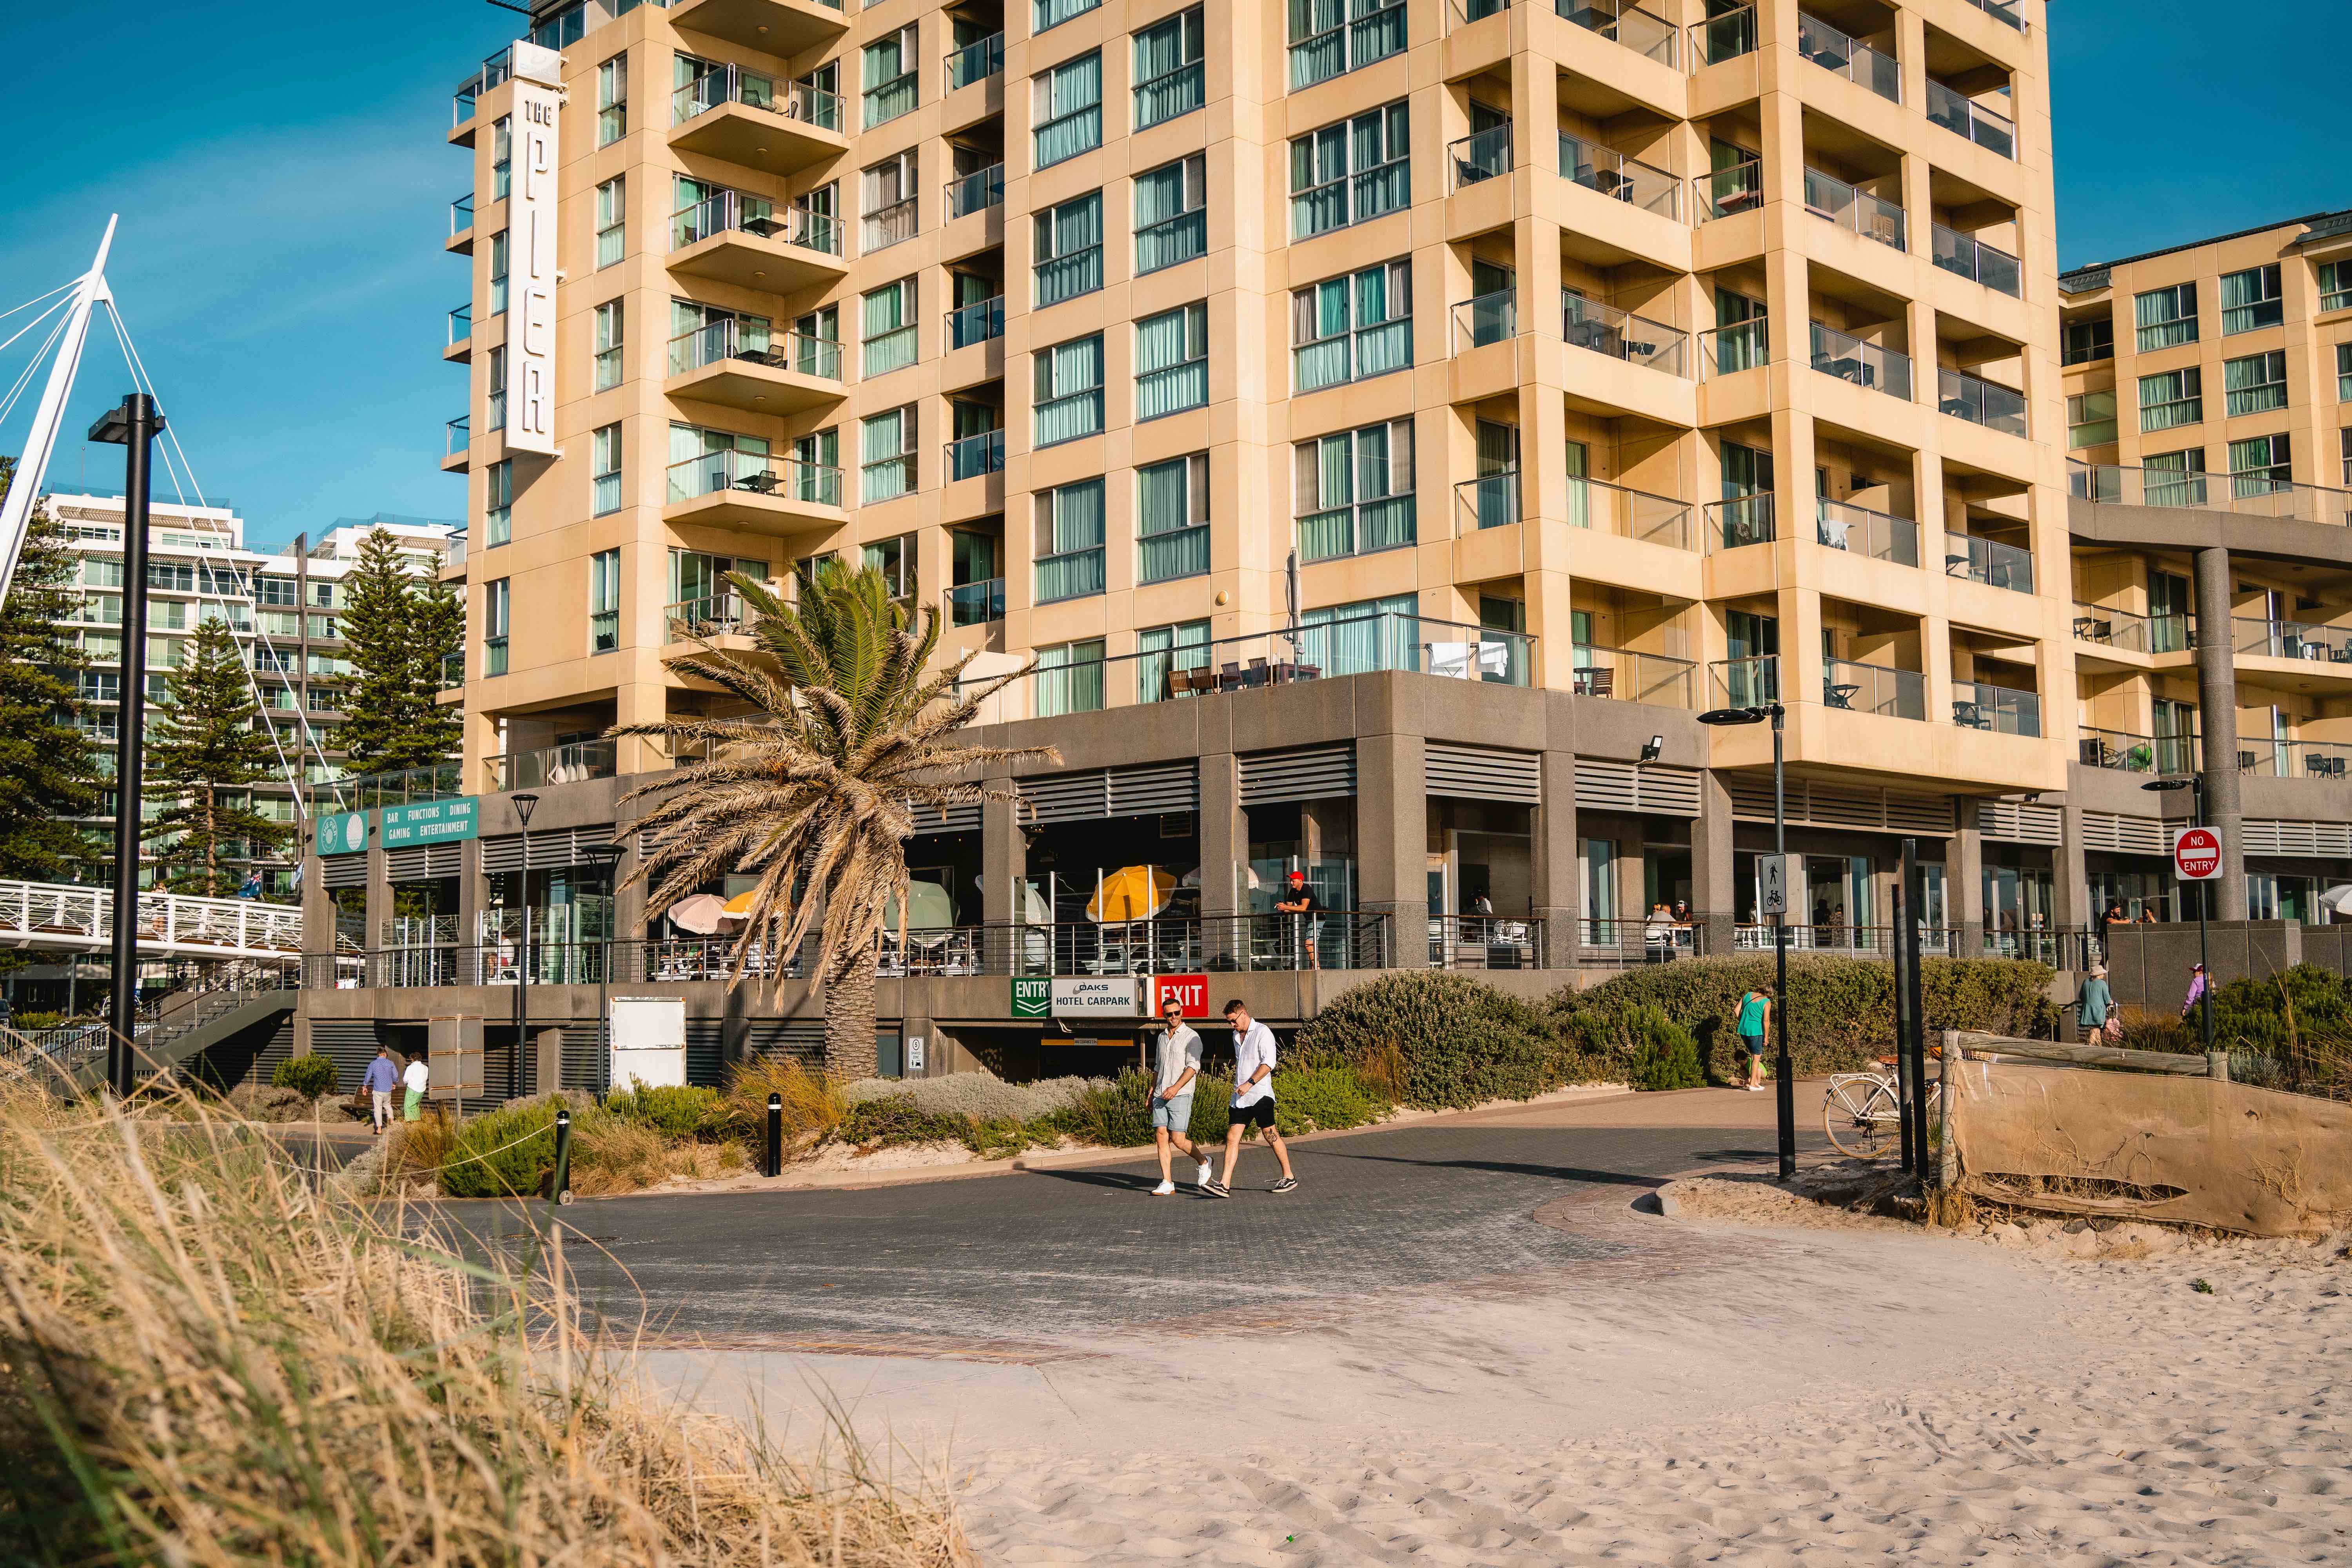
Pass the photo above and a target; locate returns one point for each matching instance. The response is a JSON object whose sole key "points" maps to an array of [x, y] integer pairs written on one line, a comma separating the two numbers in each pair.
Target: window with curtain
{"points": [[887, 455], [2344, 373], [2260, 465], [611, 222], [815, 471], [1165, 651], [702, 461], [1351, 492], [501, 157], [2175, 479], [1742, 338], [612, 100], [1068, 390], [1330, 37], [697, 581], [608, 341], [498, 273], [1050, 14], [604, 470], [1068, 679], [888, 337], [2166, 317], [2343, 440], [2172, 399], [1168, 80], [2254, 385], [1069, 542], [889, 76], [1171, 519], [1067, 111], [498, 503], [1171, 362], [495, 377], [496, 611], [1580, 493], [2089, 419], [895, 560], [1067, 242], [1364, 635], [2087, 341], [1352, 326], [605, 601], [2252, 299], [2335, 286], [890, 202], [1171, 214], [815, 220], [704, 334], [815, 343], [1351, 172], [1495, 490]]}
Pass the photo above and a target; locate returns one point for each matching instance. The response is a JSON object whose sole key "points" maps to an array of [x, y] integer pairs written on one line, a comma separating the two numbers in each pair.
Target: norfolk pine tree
{"points": [[396, 629], [49, 771], [203, 757]]}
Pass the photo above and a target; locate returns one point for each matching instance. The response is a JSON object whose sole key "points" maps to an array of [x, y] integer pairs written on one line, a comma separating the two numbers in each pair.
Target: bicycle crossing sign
{"points": [[2197, 855]]}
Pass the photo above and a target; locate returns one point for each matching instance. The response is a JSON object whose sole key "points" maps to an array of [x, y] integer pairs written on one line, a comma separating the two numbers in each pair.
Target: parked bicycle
{"points": [[1863, 1111]]}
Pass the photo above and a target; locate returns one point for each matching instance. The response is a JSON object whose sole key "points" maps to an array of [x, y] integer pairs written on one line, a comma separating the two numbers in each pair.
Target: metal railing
{"points": [[1620, 334], [976, 61], [1751, 683], [1727, 350], [2295, 759], [727, 339], [707, 615], [976, 322], [404, 787], [1980, 705], [1486, 941], [1067, 276], [1880, 535], [732, 211], [2306, 640], [980, 189], [1358, 527], [1627, 675], [1962, 116], [1832, 50], [1724, 38], [1724, 193], [1482, 155], [1990, 561], [976, 603], [461, 325], [2118, 751], [461, 215], [2228, 492], [970, 457], [1490, 501], [1605, 508], [1486, 319], [1835, 934], [1968, 257], [1643, 32], [724, 84], [1624, 179], [495, 70], [760, 473], [1851, 207], [1874, 688], [1657, 937], [460, 432], [2132, 632], [1740, 519], [550, 765], [1980, 402], [1848, 358], [2008, 11]]}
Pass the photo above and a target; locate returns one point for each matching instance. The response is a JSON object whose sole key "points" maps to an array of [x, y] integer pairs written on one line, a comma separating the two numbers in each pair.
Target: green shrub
{"points": [[896, 1118], [506, 1153], [311, 1074], [678, 1110], [31, 1021], [1212, 1097], [1116, 1115], [1319, 1100], [1667, 1054], [1463, 1043]]}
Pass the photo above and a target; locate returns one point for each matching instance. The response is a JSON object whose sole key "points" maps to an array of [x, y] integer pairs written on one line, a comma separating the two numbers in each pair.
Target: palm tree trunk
{"points": [[849, 1018]]}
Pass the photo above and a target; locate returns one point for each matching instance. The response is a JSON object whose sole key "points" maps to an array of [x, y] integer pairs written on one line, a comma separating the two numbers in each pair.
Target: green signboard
{"points": [[343, 833], [435, 822], [1032, 998]]}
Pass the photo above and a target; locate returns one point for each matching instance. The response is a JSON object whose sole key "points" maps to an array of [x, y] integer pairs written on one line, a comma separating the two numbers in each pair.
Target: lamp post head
{"points": [[1732, 716], [113, 427], [524, 805], [2166, 786], [604, 856]]}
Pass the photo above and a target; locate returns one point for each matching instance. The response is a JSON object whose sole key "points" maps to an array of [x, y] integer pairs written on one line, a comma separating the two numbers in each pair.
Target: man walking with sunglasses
{"points": [[1252, 1103], [1171, 1096]]}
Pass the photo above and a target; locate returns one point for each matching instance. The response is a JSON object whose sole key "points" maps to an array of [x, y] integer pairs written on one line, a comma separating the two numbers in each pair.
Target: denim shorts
{"points": [[1173, 1114], [1755, 1043]]}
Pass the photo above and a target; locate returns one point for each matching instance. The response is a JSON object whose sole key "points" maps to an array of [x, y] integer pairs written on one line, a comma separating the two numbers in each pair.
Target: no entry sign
{"points": [[2197, 855]]}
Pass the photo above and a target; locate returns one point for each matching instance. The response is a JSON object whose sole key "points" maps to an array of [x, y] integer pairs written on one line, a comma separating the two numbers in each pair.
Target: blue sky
{"points": [[284, 190]]}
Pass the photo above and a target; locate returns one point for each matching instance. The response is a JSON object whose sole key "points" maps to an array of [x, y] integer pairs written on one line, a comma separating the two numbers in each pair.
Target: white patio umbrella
{"points": [[699, 915], [2337, 900]]}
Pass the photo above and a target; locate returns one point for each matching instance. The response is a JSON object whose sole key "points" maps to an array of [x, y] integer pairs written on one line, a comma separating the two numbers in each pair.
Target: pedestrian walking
{"points": [[2095, 1008], [251, 887], [1755, 1024], [1253, 1102], [382, 1077], [1172, 1097], [416, 1077]]}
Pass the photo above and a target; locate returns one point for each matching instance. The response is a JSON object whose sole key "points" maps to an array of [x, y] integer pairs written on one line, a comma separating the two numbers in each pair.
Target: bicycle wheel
{"points": [[1862, 1117]]}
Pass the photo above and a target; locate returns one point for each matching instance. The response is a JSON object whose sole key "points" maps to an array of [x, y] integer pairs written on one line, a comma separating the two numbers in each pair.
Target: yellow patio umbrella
{"points": [[1132, 893], [738, 908]]}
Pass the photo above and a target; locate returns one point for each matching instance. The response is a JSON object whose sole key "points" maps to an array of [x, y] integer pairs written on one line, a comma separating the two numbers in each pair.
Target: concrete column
{"points": [[378, 897], [1224, 837], [1715, 894], [1393, 837], [1964, 881], [473, 895], [2216, 724], [318, 908], [2070, 875], [1004, 855], [1554, 891]]}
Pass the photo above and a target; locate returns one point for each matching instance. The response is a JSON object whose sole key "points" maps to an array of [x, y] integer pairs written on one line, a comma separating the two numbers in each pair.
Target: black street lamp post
{"points": [[605, 857], [524, 805], [132, 427], [1783, 1071]]}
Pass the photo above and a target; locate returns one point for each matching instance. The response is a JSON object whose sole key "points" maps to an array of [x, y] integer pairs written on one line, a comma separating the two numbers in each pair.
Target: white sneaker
{"points": [[1163, 1189], [1208, 1173]]}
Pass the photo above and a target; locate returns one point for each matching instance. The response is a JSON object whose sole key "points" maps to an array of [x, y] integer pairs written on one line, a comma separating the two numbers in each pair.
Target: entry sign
{"points": [[1032, 998], [2197, 855]]}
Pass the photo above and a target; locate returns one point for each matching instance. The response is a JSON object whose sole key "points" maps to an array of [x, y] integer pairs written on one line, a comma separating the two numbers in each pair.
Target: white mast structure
{"points": [[32, 467]]}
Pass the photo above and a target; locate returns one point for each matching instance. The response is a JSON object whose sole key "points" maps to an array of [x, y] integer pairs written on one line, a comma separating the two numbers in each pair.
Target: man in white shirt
{"points": [[1253, 1098], [1171, 1096]]}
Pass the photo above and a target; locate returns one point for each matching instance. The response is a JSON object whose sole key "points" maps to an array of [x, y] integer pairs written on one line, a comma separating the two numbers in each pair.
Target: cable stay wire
{"points": [[60, 289], [32, 365]]}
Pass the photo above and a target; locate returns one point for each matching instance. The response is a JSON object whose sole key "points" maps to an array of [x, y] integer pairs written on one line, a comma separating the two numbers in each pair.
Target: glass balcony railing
{"points": [[2308, 641], [460, 432], [1605, 508], [1881, 536], [1487, 319], [2008, 11], [976, 603], [1980, 705], [2128, 631], [976, 61], [1980, 402], [1740, 519], [976, 322], [571, 764], [1848, 358], [1726, 350], [1728, 192], [1723, 37], [1614, 174], [980, 189], [1965, 117], [1752, 682], [973, 456], [1990, 561], [405, 787], [1605, 329], [1972, 258], [732, 211], [708, 615], [1643, 32], [730, 338], [2116, 750], [2241, 493], [1832, 50], [2282, 759], [495, 70], [1490, 501], [461, 325], [1630, 677], [1873, 217], [1480, 156], [461, 215], [756, 473], [1874, 688], [725, 84]]}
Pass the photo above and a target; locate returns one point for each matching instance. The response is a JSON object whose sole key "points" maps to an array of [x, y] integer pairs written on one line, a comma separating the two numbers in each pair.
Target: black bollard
{"points": [[773, 1163], [559, 1184]]}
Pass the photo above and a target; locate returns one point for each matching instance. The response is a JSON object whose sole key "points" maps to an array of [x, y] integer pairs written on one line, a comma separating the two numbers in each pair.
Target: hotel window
{"points": [[1351, 172], [2089, 419], [608, 346], [1068, 390], [2166, 317], [887, 458], [1069, 554], [612, 100], [498, 273], [1353, 327], [1171, 214], [611, 222], [2344, 440], [706, 334], [501, 157], [895, 560], [2175, 479], [605, 601], [2250, 300], [2344, 373], [604, 471], [1068, 679], [2171, 400], [2256, 383], [1328, 38], [889, 202], [1168, 81], [1171, 362], [815, 471], [1067, 241], [2260, 465], [1067, 111], [2087, 341], [1169, 651], [1352, 491], [494, 609], [1171, 519], [703, 462], [494, 373], [890, 85], [1050, 14], [2335, 285], [889, 336]]}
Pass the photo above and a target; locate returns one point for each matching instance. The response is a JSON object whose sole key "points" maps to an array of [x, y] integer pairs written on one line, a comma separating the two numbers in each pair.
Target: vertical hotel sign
{"points": [[530, 222]]}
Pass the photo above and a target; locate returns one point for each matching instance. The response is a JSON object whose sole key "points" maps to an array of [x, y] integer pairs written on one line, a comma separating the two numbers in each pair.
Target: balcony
{"points": [[1990, 561], [1753, 682], [1628, 513], [2245, 494], [1643, 32], [1724, 38], [460, 346], [1980, 402], [573, 763], [1480, 156], [2127, 631], [1964, 117], [751, 243], [753, 490], [1488, 318], [461, 225], [406, 786], [1740, 519], [1848, 358], [976, 61], [1727, 350], [1727, 193], [1876, 689], [2005, 11], [705, 617], [1621, 335], [975, 192], [1980, 705], [756, 122], [887, 227], [455, 561], [975, 455], [1625, 676], [1490, 501], [2118, 750], [1968, 257], [495, 70], [734, 366], [1614, 174], [2302, 641], [2295, 759], [1857, 529], [1873, 217], [456, 443], [976, 322], [771, 26], [976, 603], [1830, 49]]}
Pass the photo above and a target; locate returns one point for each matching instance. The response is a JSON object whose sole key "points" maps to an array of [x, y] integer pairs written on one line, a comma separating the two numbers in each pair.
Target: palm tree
{"points": [[813, 786]]}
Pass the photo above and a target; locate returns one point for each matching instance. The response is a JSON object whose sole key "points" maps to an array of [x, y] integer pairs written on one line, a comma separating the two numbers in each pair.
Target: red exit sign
{"points": [[1192, 990]]}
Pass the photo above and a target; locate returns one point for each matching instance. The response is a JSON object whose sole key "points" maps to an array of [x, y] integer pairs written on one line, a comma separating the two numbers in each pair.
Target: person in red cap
{"points": [[1299, 899]]}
